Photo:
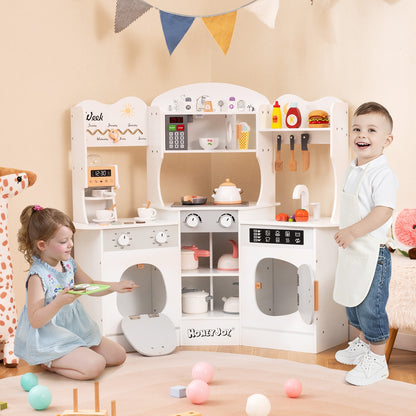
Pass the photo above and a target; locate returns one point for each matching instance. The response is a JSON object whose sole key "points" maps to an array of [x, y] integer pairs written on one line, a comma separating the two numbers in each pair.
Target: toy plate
{"points": [[88, 289]]}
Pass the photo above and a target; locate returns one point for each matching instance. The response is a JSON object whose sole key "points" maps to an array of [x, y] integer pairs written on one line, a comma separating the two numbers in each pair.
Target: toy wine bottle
{"points": [[293, 117]]}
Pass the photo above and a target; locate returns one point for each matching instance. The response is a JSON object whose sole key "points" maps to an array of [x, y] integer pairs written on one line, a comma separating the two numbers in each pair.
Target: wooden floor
{"points": [[402, 364]]}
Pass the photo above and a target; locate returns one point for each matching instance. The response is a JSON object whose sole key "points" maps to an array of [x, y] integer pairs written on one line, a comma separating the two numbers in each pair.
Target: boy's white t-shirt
{"points": [[378, 188]]}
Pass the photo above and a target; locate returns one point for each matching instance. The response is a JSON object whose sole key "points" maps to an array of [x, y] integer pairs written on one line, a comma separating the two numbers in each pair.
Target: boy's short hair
{"points": [[373, 107]]}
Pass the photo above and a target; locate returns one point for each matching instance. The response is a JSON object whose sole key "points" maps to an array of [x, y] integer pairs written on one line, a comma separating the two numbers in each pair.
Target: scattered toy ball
{"points": [[197, 391], [293, 388], [258, 405], [39, 397], [28, 381], [203, 371]]}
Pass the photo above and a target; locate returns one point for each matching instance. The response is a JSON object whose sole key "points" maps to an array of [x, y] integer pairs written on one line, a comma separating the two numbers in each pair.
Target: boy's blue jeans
{"points": [[370, 315]]}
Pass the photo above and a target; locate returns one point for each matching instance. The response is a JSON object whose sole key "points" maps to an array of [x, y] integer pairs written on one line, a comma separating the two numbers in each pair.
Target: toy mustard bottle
{"points": [[293, 117], [276, 116]]}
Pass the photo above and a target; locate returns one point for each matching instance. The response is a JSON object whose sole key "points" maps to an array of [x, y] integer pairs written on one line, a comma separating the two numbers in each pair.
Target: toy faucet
{"points": [[302, 192]]}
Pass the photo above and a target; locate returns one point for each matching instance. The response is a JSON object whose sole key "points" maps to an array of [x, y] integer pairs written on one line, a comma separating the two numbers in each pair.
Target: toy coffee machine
{"points": [[97, 203], [95, 125]]}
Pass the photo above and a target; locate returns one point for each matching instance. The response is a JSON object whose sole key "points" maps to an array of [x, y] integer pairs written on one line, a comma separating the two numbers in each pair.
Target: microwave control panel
{"points": [[176, 132], [276, 236]]}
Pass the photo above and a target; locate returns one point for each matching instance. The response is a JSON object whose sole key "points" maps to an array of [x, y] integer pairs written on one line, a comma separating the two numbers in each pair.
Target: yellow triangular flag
{"points": [[221, 28]]}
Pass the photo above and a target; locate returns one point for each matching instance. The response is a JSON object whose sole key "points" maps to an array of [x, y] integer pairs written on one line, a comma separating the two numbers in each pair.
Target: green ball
{"points": [[40, 397], [28, 381]]}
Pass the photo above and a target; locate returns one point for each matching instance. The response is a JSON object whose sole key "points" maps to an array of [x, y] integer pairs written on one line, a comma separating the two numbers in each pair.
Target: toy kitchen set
{"points": [[210, 272]]}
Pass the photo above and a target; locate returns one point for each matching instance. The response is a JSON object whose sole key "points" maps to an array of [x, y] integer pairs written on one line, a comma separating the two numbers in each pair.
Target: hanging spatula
{"points": [[305, 152], [278, 164], [292, 161]]}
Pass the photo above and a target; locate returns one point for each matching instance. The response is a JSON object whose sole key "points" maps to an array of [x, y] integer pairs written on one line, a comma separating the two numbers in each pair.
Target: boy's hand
{"points": [[344, 237]]}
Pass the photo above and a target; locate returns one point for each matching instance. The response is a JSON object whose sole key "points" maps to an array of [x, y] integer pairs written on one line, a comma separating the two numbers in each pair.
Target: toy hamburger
{"points": [[318, 119]]}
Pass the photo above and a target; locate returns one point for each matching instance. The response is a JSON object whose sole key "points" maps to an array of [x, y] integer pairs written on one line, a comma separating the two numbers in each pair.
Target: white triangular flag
{"points": [[265, 10]]}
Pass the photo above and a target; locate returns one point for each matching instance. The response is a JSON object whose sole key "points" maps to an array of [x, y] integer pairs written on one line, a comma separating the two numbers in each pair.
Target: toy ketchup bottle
{"points": [[293, 117], [276, 116]]}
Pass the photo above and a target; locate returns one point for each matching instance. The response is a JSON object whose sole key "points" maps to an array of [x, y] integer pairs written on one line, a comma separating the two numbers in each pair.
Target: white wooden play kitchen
{"points": [[219, 272]]}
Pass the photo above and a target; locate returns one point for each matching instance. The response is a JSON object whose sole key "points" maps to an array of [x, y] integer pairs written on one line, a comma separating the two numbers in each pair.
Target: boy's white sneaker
{"points": [[353, 354], [372, 368]]}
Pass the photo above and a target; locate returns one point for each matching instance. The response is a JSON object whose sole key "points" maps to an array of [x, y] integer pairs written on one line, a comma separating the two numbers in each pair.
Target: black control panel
{"points": [[274, 236], [176, 132]]}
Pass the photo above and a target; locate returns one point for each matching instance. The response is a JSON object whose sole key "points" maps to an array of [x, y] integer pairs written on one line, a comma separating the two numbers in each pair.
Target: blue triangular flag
{"points": [[174, 28]]}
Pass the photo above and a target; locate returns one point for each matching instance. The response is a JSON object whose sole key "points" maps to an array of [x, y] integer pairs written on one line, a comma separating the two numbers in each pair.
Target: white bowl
{"points": [[209, 143]]}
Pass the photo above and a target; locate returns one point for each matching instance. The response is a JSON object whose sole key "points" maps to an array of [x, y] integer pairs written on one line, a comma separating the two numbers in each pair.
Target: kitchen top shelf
{"points": [[211, 151]]}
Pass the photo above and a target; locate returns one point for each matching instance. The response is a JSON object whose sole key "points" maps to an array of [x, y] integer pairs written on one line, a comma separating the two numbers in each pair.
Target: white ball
{"points": [[258, 405]]}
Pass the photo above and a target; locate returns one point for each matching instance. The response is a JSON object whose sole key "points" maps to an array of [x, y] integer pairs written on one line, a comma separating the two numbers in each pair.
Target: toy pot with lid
{"points": [[231, 304], [229, 261], [195, 301], [190, 256], [227, 193]]}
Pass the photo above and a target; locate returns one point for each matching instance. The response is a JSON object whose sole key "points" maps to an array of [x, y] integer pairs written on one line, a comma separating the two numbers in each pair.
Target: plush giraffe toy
{"points": [[12, 182]]}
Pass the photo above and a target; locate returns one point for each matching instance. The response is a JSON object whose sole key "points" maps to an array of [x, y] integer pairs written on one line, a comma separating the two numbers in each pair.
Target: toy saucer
{"points": [[139, 219], [97, 221]]}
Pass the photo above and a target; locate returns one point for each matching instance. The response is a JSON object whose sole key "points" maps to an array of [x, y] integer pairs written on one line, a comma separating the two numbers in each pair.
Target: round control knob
{"points": [[123, 240], [226, 220], [161, 237], [192, 220]]}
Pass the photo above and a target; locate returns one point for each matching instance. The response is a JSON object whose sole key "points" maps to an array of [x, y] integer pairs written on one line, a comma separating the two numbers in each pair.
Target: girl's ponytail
{"points": [[23, 239]]}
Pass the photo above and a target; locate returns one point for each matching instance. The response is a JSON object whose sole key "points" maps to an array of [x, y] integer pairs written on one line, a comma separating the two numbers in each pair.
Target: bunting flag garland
{"points": [[128, 11], [221, 28], [175, 26], [265, 10]]}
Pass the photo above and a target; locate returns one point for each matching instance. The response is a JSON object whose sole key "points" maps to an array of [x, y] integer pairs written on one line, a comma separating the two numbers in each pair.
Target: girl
{"points": [[54, 330]]}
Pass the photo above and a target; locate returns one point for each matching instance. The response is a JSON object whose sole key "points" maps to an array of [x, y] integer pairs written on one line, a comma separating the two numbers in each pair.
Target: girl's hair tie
{"points": [[37, 208]]}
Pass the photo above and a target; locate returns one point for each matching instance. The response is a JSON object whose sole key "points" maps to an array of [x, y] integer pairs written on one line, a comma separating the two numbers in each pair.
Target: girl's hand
{"points": [[123, 286], [64, 298]]}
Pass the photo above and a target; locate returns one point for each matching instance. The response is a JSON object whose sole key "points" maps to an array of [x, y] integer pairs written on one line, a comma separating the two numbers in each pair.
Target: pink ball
{"points": [[293, 388], [197, 391], [203, 371]]}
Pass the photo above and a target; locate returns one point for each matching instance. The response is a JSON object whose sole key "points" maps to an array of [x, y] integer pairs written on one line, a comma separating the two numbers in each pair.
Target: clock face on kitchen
{"points": [[101, 176]]}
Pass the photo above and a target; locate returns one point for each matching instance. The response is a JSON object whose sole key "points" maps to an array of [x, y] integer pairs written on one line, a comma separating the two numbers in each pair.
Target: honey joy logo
{"points": [[210, 332]]}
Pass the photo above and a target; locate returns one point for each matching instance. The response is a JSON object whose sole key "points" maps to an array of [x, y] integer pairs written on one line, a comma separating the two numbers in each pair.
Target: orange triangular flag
{"points": [[221, 28]]}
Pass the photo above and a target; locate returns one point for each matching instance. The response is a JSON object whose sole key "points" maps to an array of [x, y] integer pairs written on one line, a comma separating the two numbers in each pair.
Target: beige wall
{"points": [[57, 53]]}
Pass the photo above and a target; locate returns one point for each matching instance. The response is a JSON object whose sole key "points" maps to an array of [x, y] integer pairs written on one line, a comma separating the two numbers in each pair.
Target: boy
{"points": [[363, 272]]}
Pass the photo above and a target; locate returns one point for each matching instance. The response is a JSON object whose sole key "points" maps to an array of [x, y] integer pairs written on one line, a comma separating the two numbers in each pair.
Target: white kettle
{"points": [[229, 261], [227, 193]]}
